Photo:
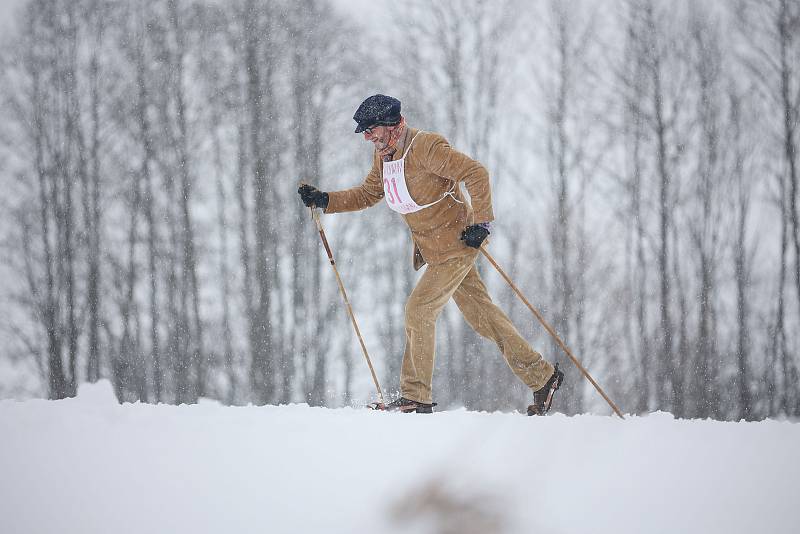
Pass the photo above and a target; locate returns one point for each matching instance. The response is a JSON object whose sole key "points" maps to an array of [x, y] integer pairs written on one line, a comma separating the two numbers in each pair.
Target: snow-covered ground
{"points": [[88, 465]]}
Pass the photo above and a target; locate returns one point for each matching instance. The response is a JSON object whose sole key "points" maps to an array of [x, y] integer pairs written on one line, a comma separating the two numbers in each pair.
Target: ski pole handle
{"points": [[324, 239]]}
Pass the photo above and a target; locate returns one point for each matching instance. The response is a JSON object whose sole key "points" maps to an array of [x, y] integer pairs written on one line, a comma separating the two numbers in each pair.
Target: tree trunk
{"points": [[262, 372]]}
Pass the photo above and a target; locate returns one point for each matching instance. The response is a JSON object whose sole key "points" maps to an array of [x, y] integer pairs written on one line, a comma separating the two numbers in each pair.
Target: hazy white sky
{"points": [[7, 8], [363, 9]]}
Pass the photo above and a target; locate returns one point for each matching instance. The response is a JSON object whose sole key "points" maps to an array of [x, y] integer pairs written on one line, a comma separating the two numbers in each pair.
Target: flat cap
{"points": [[377, 110]]}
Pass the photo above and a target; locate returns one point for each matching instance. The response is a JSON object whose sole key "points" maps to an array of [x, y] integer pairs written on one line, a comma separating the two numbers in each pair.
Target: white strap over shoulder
{"points": [[411, 143]]}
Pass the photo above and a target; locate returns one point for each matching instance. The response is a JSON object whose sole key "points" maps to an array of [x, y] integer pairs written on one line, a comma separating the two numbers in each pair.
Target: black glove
{"points": [[313, 197], [474, 235]]}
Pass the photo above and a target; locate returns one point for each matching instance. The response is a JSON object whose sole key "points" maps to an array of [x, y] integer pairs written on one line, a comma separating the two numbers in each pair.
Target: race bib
{"points": [[395, 188]]}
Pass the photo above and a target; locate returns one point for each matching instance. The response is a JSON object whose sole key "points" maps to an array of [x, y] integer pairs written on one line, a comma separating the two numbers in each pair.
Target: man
{"points": [[418, 174]]}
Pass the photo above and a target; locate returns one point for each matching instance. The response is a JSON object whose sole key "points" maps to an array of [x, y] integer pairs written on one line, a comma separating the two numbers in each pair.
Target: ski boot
{"points": [[543, 398], [403, 405]]}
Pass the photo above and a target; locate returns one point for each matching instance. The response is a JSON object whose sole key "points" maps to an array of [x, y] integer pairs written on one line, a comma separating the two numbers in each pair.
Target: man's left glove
{"points": [[313, 197], [474, 235]]}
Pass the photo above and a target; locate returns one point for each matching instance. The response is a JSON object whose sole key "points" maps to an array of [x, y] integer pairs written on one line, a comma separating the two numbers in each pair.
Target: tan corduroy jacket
{"points": [[432, 168]]}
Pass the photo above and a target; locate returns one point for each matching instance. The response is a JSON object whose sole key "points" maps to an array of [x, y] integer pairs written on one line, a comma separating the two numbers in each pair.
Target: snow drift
{"points": [[89, 465]]}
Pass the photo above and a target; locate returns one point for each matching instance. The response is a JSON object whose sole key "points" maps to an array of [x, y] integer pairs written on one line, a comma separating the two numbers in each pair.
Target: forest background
{"points": [[644, 167]]}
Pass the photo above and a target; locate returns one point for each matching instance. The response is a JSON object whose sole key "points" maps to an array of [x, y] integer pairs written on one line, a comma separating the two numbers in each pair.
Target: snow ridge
{"points": [[89, 465]]}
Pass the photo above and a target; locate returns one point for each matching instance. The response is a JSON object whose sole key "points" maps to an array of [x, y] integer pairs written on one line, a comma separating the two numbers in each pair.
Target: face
{"points": [[378, 135]]}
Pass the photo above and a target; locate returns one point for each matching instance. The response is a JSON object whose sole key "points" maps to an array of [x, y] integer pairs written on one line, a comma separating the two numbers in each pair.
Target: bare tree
{"points": [[707, 223], [742, 255], [659, 46], [567, 138], [259, 29], [95, 14], [47, 112], [220, 92], [771, 27], [632, 80], [145, 140]]}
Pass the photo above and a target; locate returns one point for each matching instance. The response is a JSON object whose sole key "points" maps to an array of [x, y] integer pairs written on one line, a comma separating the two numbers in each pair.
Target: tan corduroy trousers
{"points": [[458, 278]]}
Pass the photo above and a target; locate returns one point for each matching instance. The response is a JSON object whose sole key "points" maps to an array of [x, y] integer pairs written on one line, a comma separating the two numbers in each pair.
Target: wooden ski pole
{"points": [[315, 216], [552, 333]]}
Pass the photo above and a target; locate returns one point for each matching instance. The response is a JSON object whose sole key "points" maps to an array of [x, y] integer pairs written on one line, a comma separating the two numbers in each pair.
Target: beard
{"points": [[380, 144]]}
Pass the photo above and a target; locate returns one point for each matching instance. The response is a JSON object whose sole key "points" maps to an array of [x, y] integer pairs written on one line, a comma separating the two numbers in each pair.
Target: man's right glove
{"points": [[313, 197]]}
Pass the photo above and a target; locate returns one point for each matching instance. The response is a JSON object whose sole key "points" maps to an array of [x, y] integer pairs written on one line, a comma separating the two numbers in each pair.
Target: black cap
{"points": [[377, 110]]}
